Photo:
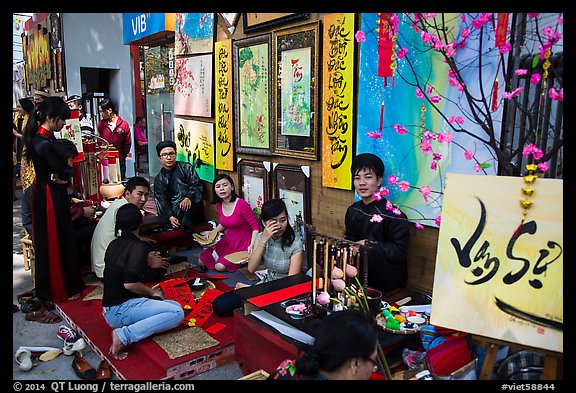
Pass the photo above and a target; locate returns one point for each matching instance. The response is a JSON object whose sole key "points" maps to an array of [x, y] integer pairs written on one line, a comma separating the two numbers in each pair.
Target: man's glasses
{"points": [[166, 155]]}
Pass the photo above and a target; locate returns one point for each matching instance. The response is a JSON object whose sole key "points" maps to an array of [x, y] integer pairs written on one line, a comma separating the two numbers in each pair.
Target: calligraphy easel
{"points": [[553, 369]]}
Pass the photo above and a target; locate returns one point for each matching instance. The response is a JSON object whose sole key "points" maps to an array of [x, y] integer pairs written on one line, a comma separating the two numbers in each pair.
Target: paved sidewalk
{"points": [[30, 333]]}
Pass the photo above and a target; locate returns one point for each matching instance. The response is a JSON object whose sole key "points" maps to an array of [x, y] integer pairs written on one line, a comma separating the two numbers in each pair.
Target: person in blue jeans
{"points": [[134, 310]]}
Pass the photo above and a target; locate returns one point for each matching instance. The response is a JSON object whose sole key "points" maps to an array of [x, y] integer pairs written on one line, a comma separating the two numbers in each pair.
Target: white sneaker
{"points": [[24, 359], [72, 340]]}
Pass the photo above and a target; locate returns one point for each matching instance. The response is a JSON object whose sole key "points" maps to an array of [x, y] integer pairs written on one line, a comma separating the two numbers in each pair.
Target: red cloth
{"points": [[281, 294], [448, 356]]}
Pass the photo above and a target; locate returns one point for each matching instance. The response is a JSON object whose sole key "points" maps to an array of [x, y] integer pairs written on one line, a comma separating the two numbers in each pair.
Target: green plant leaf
{"points": [[535, 60], [484, 165]]}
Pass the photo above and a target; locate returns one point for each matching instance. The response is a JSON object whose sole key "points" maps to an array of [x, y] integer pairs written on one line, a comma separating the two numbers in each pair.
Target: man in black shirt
{"points": [[369, 219]]}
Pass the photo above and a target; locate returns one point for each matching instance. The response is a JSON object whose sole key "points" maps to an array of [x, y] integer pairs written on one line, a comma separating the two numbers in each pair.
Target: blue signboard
{"points": [[139, 25]]}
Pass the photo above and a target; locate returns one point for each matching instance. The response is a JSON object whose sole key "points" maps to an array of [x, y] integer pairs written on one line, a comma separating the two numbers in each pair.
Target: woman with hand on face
{"points": [[278, 248], [237, 221]]}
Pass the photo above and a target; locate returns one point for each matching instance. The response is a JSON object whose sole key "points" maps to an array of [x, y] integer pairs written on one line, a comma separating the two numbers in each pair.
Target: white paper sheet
{"points": [[283, 327]]}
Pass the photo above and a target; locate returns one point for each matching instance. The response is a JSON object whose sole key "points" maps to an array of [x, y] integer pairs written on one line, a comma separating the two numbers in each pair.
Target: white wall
{"points": [[94, 40]]}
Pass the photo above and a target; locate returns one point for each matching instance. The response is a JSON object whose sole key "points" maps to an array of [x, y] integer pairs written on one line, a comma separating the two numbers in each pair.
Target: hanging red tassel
{"points": [[495, 95], [381, 116]]}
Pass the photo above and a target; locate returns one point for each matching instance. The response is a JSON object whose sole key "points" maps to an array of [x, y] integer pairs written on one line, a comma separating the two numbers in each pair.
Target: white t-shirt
{"points": [[103, 235]]}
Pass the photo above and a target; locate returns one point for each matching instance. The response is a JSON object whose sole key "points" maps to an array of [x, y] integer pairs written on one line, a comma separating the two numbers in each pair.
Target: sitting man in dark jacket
{"points": [[177, 190]]}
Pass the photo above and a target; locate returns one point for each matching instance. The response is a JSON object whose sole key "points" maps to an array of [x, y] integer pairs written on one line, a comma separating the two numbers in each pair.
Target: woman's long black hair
{"points": [[271, 209], [51, 107]]}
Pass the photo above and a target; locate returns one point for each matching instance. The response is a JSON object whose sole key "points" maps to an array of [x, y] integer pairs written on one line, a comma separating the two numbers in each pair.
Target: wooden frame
{"points": [[255, 21], [292, 185], [253, 94], [296, 90], [253, 184]]}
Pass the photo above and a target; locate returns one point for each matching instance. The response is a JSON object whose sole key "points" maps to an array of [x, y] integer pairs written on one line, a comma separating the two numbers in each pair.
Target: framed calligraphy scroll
{"points": [[252, 98], [494, 277], [254, 184], [296, 91], [292, 185], [195, 144], [255, 21], [193, 90], [337, 100], [224, 143]]}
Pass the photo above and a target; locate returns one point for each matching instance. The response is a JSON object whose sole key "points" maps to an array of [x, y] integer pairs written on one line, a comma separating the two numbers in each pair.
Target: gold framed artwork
{"points": [[252, 98], [292, 185], [254, 184], [296, 90], [254, 21]]}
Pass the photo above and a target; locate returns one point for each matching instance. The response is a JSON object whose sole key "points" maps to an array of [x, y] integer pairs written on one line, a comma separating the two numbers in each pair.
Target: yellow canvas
{"points": [[337, 100], [495, 277], [223, 98]]}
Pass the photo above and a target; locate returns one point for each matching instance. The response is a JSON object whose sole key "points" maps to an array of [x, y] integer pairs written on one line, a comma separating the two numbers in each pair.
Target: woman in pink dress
{"points": [[237, 220]]}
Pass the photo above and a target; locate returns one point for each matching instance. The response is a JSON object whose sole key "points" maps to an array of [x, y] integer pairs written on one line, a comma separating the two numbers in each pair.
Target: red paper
{"points": [[281, 294], [179, 291], [203, 308], [215, 328]]}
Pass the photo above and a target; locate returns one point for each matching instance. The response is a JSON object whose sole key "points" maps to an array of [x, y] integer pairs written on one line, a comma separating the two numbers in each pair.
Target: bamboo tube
{"points": [[314, 272], [326, 260]]}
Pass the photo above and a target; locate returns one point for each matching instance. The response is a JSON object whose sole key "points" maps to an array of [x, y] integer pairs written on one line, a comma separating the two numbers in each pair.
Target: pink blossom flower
{"points": [[505, 48], [426, 147], [469, 154], [360, 36], [418, 225], [521, 71], [438, 220], [374, 134], [435, 99], [404, 186], [436, 156], [351, 271], [429, 89], [448, 137], [533, 150], [512, 94], [392, 179], [533, 15], [543, 166], [384, 192], [323, 298], [376, 218], [450, 50], [558, 96], [389, 205], [338, 285], [434, 165], [477, 167], [399, 129], [396, 211], [419, 93], [425, 191], [535, 78], [402, 52]]}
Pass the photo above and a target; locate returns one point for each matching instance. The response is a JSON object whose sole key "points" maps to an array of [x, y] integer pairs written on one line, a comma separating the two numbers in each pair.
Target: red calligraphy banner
{"points": [[385, 44], [203, 309], [178, 290], [501, 29]]}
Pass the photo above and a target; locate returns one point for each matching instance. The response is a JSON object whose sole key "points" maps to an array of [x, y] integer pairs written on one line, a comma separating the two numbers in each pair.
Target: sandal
{"points": [[43, 316], [28, 304]]}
